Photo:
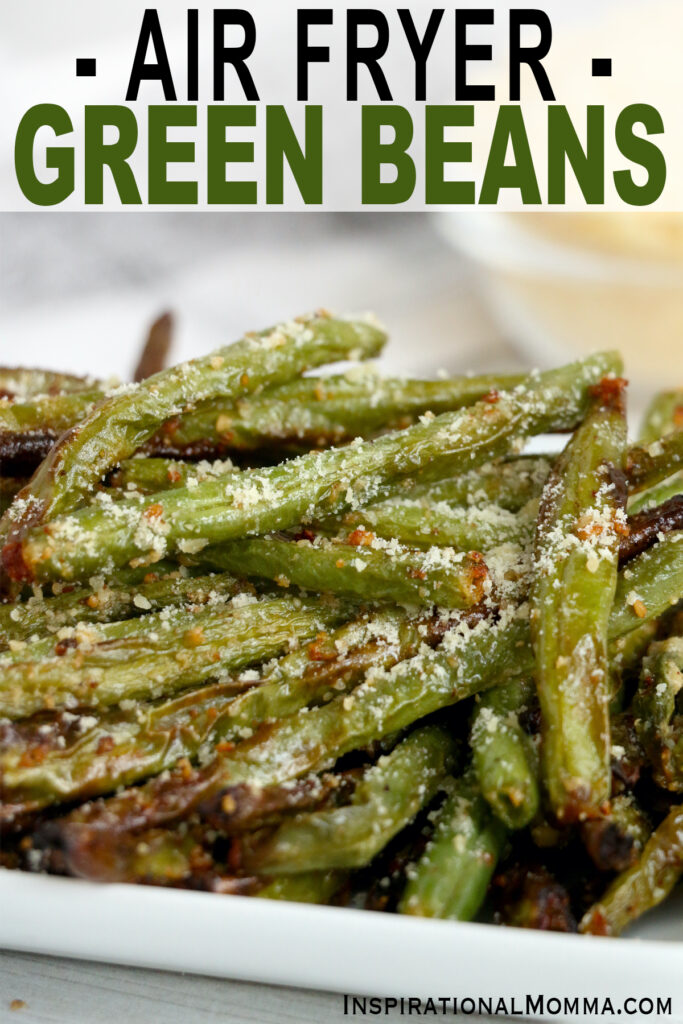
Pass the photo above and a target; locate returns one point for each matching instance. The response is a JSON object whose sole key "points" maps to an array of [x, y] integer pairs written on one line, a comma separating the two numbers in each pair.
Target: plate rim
{"points": [[334, 949]]}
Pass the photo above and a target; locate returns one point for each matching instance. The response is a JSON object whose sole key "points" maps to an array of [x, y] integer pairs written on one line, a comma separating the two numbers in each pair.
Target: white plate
{"points": [[352, 951], [327, 948]]}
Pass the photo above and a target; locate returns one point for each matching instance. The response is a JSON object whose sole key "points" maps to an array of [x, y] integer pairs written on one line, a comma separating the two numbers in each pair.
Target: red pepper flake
{"points": [[598, 923], [491, 397], [154, 511], [610, 392], [17, 1004], [170, 426], [194, 637], [32, 757], [640, 609], [587, 527], [105, 744], [304, 534], [185, 768], [225, 746], [320, 649], [360, 537], [174, 475], [62, 646], [678, 417], [244, 380]]}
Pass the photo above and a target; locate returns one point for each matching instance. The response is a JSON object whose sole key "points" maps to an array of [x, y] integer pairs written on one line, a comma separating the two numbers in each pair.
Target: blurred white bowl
{"points": [[561, 285]]}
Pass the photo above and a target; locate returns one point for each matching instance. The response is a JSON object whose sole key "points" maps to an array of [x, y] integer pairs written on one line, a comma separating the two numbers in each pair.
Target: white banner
{"points": [[291, 105]]}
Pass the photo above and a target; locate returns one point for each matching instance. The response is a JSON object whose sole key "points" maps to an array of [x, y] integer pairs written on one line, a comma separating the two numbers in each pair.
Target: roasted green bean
{"points": [[262, 501], [386, 799], [154, 660], [503, 755], [369, 572], [575, 580], [643, 886], [123, 421], [451, 878]]}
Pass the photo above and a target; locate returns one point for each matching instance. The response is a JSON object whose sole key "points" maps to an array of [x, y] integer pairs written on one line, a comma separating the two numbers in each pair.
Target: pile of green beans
{"points": [[308, 637]]}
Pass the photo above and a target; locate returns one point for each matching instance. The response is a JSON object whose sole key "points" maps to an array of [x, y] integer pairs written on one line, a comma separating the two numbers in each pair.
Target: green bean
{"points": [[664, 414], [507, 483], [311, 412], [532, 897], [22, 383], [648, 586], [572, 593], [181, 858], [84, 637], [311, 887], [504, 758], [39, 616], [658, 724], [147, 476], [615, 842], [648, 465], [369, 573], [76, 756], [630, 818], [625, 656], [469, 659], [442, 516], [397, 695], [384, 802], [50, 415], [123, 421], [65, 759], [421, 522], [157, 662], [318, 411], [29, 429], [154, 858], [388, 700], [656, 495], [279, 497], [451, 878], [645, 885]]}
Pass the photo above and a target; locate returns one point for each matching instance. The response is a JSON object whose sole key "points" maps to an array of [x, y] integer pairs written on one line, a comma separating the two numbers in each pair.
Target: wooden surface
{"points": [[68, 991]]}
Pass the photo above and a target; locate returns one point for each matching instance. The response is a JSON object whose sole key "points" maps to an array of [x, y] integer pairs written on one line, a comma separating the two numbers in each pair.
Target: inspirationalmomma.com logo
{"points": [[528, 1006]]}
